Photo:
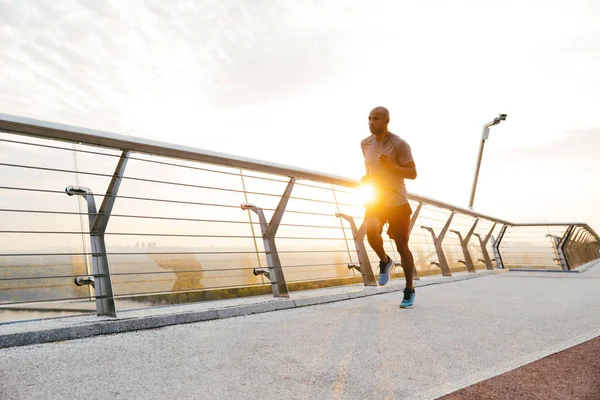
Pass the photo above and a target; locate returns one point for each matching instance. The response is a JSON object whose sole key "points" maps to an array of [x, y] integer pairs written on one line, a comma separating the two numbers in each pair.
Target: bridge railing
{"points": [[90, 217]]}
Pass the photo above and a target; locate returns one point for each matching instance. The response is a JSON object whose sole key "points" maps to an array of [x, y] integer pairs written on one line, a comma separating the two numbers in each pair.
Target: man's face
{"points": [[378, 121]]}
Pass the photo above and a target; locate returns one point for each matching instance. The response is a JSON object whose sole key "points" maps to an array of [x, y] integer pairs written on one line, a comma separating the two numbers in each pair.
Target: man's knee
{"points": [[373, 228], [373, 234]]}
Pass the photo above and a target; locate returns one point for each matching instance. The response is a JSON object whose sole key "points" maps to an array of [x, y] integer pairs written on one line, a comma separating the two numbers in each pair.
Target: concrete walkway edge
{"points": [[106, 326]]}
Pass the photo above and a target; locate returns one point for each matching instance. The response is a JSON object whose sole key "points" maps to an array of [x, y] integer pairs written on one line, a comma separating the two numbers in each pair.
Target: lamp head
{"points": [[499, 118], [77, 190]]}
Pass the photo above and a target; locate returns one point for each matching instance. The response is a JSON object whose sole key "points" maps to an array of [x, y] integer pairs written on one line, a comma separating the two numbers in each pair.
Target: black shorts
{"points": [[397, 217]]}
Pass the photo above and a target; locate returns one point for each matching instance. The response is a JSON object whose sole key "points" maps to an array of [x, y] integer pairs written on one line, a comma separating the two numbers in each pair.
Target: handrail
{"points": [[544, 224], [68, 133], [72, 134]]}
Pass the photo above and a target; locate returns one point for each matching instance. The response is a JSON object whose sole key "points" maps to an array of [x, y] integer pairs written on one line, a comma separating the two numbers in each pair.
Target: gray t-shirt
{"points": [[390, 187]]}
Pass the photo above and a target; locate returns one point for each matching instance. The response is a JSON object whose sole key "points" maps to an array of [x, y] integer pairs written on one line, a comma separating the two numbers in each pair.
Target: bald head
{"points": [[379, 117], [383, 111]]}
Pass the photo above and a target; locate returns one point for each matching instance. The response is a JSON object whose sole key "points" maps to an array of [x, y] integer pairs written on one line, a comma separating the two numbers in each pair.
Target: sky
{"points": [[292, 82]]}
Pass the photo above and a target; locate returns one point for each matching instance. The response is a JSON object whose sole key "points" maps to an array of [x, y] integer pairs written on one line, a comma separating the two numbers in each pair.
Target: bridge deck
{"points": [[458, 334]]}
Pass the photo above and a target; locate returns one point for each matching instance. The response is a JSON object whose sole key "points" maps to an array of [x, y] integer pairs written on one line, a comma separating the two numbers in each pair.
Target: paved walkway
{"points": [[364, 348]]}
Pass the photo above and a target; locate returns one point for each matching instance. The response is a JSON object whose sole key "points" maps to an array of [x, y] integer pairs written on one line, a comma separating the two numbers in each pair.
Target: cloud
{"points": [[579, 144], [113, 59], [254, 53]]}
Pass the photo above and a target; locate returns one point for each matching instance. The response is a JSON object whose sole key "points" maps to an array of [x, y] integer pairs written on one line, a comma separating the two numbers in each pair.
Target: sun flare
{"points": [[366, 193]]}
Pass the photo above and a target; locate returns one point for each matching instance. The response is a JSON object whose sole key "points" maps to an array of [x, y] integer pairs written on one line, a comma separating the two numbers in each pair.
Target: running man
{"points": [[388, 161]]}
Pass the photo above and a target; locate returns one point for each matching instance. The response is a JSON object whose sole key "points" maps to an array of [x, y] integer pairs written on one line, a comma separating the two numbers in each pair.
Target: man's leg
{"points": [[399, 229], [374, 227], [408, 262]]}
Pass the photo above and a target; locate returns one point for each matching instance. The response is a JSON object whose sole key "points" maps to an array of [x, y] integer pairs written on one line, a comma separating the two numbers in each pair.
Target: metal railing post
{"points": [[589, 246], [574, 246], [586, 246], [555, 240], [593, 233], [561, 246], [596, 246], [568, 249], [464, 244], [483, 243], [438, 241], [269, 230], [363, 258], [496, 247], [101, 281], [413, 220], [581, 247]]}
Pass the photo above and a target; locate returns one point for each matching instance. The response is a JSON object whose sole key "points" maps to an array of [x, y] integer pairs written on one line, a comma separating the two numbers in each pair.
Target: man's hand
{"points": [[384, 160], [406, 171], [365, 179]]}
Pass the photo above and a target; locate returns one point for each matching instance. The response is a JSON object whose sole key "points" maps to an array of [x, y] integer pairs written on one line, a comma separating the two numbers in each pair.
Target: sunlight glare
{"points": [[366, 193]]}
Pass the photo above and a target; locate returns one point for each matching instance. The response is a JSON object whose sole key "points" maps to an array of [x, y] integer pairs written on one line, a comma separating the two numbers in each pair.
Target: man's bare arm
{"points": [[406, 171]]}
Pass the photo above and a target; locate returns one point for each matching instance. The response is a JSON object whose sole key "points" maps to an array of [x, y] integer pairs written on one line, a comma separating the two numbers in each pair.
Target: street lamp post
{"points": [[484, 136]]}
